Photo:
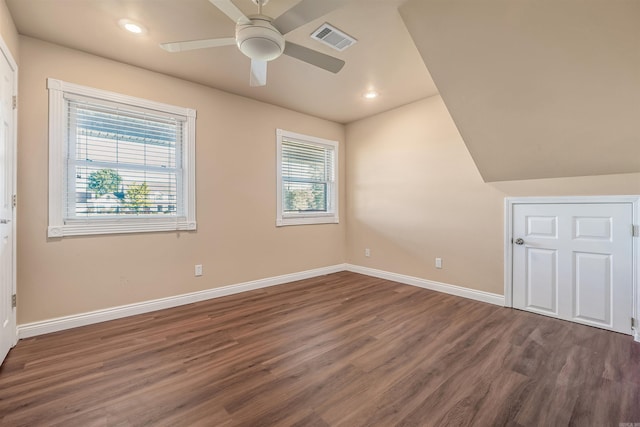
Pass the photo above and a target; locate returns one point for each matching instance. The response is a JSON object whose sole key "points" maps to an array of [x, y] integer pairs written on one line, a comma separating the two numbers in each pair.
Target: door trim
{"points": [[4, 50], [509, 203]]}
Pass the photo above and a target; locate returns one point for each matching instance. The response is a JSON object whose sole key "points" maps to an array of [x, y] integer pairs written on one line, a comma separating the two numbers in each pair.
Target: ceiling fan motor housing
{"points": [[259, 40]]}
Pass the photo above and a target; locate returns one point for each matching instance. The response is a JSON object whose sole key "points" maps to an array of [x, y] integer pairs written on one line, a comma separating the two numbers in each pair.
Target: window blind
{"points": [[122, 161], [307, 177]]}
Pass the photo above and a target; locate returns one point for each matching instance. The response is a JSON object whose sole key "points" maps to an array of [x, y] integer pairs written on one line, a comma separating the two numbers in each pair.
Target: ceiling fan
{"points": [[261, 38]]}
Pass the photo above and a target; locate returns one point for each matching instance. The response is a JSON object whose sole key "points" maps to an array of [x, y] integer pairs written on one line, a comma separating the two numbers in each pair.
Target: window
{"points": [[307, 179], [118, 164]]}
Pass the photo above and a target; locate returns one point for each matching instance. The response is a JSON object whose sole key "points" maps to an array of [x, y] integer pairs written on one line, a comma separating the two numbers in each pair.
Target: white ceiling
{"points": [[385, 57]]}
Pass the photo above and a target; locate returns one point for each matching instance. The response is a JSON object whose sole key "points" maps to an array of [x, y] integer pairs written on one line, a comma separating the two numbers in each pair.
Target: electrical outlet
{"points": [[438, 262], [198, 270], [367, 252]]}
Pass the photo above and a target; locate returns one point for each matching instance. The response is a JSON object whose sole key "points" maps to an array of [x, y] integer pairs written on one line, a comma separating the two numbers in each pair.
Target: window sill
{"points": [[304, 220], [81, 228]]}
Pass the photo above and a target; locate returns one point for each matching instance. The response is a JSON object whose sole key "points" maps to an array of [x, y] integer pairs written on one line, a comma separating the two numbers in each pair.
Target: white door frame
{"points": [[509, 203], [4, 50]]}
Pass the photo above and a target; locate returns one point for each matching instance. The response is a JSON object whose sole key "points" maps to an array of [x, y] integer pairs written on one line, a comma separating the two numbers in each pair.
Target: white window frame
{"points": [[301, 218], [57, 167]]}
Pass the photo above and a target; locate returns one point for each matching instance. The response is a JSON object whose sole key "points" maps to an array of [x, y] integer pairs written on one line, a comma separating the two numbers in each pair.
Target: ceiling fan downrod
{"points": [[260, 3]]}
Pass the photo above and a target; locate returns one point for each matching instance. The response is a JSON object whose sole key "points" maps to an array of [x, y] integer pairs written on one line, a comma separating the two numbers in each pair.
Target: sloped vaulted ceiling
{"points": [[537, 88]]}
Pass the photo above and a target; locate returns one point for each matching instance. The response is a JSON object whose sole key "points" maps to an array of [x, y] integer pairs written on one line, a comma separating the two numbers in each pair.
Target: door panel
{"points": [[576, 262], [593, 290], [588, 228], [542, 284], [542, 226]]}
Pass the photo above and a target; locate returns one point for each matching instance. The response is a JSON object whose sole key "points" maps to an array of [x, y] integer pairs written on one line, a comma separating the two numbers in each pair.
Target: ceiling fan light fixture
{"points": [[260, 40]]}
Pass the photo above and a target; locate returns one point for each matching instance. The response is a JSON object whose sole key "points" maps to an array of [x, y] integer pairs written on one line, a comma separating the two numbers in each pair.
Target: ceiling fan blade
{"points": [[231, 11], [258, 73], [313, 57], [197, 44], [303, 12]]}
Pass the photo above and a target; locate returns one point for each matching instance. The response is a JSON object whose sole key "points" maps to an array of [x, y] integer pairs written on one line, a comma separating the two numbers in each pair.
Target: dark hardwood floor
{"points": [[339, 350]]}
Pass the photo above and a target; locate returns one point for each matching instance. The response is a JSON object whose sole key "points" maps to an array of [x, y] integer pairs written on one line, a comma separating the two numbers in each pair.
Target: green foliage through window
{"points": [[104, 181], [137, 198]]}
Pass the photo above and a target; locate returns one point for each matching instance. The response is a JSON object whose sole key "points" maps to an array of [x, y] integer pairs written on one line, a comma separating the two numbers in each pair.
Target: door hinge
{"points": [[14, 200], [14, 102], [13, 301], [635, 230]]}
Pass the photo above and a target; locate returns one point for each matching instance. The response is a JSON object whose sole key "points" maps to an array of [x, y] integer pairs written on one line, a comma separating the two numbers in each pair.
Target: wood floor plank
{"points": [[337, 350]]}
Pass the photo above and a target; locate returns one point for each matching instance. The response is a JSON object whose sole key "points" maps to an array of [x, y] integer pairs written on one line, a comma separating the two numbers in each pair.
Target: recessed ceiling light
{"points": [[372, 94], [132, 27]]}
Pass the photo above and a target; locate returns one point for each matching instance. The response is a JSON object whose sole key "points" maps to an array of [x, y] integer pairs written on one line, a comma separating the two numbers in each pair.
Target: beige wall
{"points": [[414, 194], [236, 240], [8, 30]]}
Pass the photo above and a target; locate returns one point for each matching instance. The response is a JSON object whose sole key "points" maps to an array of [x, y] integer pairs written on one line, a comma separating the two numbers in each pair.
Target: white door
{"points": [[7, 220], [575, 262]]}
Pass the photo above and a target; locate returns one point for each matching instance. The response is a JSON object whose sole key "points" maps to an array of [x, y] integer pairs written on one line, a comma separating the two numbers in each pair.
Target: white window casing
{"points": [[146, 149], [307, 179]]}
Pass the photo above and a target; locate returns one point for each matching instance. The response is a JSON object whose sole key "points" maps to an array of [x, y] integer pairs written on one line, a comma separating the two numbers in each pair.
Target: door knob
{"points": [[519, 241], [5, 221]]}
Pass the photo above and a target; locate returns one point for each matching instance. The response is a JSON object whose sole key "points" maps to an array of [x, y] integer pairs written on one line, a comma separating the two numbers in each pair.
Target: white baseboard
{"points": [[27, 330], [488, 297], [67, 322]]}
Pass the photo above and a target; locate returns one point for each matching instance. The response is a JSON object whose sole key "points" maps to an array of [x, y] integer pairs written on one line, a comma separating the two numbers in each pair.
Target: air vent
{"points": [[333, 37]]}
